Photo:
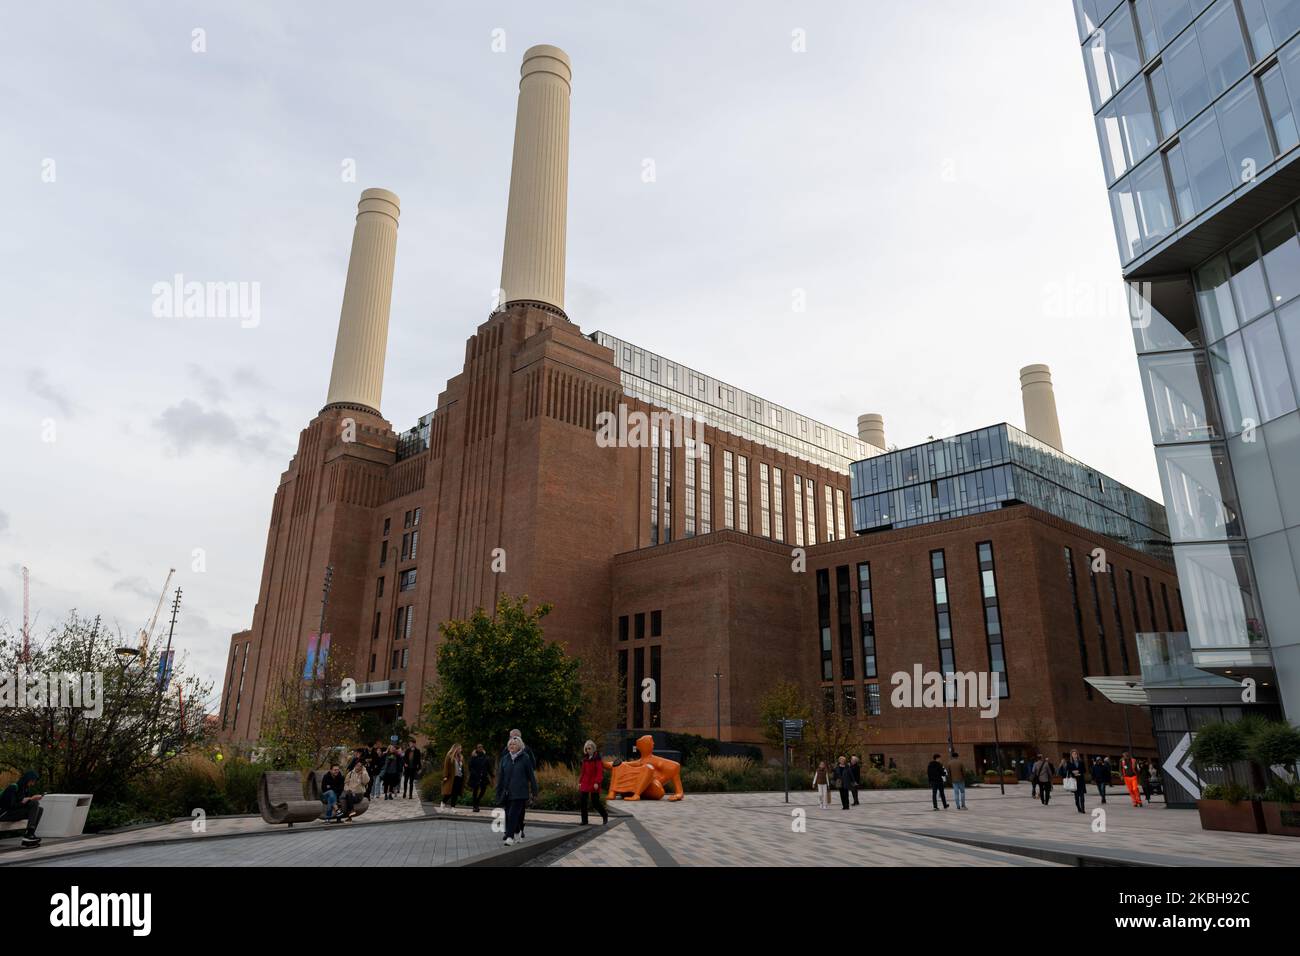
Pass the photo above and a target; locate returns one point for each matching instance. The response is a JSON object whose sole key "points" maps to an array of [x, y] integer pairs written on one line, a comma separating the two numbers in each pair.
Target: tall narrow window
{"points": [[765, 499], [742, 493], [1072, 580], [829, 512], [1133, 598], [406, 580], [383, 553], [638, 679], [640, 626], [656, 623], [992, 616], [379, 588], [844, 614], [1119, 619], [654, 485], [374, 635], [1164, 597], [622, 683], [706, 488], [850, 701], [839, 514], [873, 700], [657, 677], [824, 622], [811, 513], [728, 490], [1101, 624], [942, 616], [691, 463], [867, 619], [798, 511], [622, 627], [668, 483], [1151, 605], [778, 509], [415, 541]]}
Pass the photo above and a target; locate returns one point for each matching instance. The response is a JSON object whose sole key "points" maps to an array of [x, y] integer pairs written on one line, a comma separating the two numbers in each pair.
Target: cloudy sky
{"points": [[925, 172]]}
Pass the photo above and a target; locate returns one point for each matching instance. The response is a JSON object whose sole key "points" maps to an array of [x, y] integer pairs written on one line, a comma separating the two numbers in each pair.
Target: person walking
{"points": [[375, 766], [1144, 777], [453, 778], [516, 782], [525, 751], [822, 781], [1043, 771], [412, 761], [1075, 772], [1030, 772], [1129, 774], [356, 787], [957, 774], [1100, 776], [392, 771], [934, 773], [844, 780], [593, 772], [331, 790], [21, 801], [855, 764], [480, 774]]}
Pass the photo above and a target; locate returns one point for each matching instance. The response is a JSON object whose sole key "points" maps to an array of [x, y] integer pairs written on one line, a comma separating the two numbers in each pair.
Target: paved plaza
{"points": [[899, 828], [889, 828]]}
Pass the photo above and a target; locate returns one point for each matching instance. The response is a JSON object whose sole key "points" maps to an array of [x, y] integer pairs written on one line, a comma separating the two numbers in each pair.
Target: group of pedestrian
{"points": [[940, 774], [1075, 772], [846, 778]]}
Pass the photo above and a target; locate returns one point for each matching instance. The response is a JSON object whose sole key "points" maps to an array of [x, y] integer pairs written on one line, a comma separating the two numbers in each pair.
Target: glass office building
{"points": [[992, 467], [1196, 106]]}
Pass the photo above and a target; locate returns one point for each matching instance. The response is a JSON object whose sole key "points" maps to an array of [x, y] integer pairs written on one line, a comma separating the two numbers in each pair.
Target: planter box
{"points": [[63, 814], [1245, 816], [1282, 819]]}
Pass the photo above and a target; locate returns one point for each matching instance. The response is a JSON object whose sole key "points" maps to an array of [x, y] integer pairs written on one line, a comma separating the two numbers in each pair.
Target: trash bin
{"points": [[63, 814]]}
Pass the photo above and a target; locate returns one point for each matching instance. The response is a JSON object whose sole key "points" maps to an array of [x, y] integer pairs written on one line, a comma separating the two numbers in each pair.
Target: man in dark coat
{"points": [[516, 782], [411, 763], [20, 801], [855, 764], [1100, 776], [934, 773], [331, 789]]}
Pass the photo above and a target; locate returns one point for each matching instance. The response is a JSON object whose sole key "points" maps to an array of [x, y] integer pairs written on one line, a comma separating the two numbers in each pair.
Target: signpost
{"points": [[791, 730]]}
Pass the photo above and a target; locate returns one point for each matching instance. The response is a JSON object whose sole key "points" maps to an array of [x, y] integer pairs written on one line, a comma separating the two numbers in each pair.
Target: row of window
{"points": [[656, 625], [1220, 126], [736, 496]]}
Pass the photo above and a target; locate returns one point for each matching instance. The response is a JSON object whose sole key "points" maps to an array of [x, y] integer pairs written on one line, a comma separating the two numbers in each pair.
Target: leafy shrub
{"points": [[1274, 742], [110, 816], [1233, 792], [187, 783], [240, 779], [1219, 744]]}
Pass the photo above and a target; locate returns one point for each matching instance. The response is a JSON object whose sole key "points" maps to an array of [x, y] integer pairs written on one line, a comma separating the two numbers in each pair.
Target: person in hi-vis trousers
{"points": [[1128, 771]]}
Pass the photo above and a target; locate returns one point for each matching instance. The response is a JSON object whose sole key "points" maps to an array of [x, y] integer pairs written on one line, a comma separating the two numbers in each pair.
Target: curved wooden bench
{"points": [[280, 799], [313, 788]]}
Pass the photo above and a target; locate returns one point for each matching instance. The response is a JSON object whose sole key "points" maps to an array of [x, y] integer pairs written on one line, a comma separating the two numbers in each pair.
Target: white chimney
{"points": [[532, 267], [1040, 405], [358, 374]]}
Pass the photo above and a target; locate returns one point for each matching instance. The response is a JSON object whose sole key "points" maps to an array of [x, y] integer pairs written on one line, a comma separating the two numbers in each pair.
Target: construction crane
{"points": [[146, 633], [26, 618]]}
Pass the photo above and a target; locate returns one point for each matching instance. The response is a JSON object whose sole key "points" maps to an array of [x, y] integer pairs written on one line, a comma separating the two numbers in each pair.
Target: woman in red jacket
{"points": [[593, 772]]}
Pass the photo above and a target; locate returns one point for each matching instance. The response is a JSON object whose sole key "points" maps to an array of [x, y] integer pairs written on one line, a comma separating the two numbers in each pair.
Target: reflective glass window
{"points": [[1155, 212], [1199, 494], [1281, 258], [1146, 26], [1185, 71], [1232, 383], [1222, 46], [1218, 596], [1214, 296], [1248, 289], [1164, 103], [1085, 16], [1241, 123], [1280, 112], [1288, 61], [1284, 15], [1207, 164], [1261, 37], [1170, 16], [1283, 437], [1163, 314], [1253, 477], [1182, 184], [1178, 387], [1123, 207], [1274, 393], [1288, 320]]}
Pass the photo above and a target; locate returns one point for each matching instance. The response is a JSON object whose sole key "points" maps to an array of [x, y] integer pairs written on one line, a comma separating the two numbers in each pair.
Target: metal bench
{"points": [[313, 787], [280, 799]]}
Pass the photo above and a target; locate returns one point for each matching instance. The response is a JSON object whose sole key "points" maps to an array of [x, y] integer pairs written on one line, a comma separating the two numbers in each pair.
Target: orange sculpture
{"points": [[644, 778]]}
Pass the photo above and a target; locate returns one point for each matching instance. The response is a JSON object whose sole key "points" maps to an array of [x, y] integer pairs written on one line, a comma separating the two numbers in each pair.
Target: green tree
{"points": [[1220, 744], [784, 701], [303, 723], [498, 673], [140, 727]]}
